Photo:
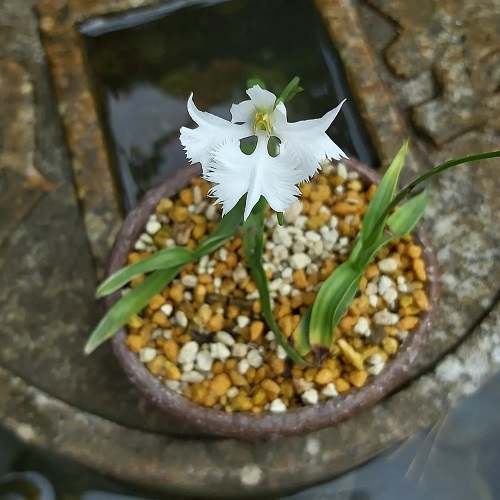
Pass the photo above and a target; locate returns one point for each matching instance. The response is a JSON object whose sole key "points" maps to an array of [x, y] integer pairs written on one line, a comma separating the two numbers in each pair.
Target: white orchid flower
{"points": [[216, 145]]}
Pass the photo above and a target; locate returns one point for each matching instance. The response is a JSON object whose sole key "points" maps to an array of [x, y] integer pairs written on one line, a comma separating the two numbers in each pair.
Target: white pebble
{"points": [[371, 288], [188, 352], [373, 299], [147, 239], [390, 296], [153, 226], [189, 281], [204, 361], [287, 273], [242, 321], [375, 369], [254, 358], [181, 319], [211, 213], [147, 354], [232, 392], [167, 309], [219, 351], [192, 377], [167, 334], [300, 261], [280, 352], [239, 350], [330, 391], [342, 171], [243, 367], [293, 211], [225, 338], [187, 367], [282, 237], [317, 248], [362, 327], [270, 336], [385, 318], [277, 406], [384, 283], [223, 254], [140, 245], [312, 237], [403, 285], [388, 265], [173, 384], [158, 332], [310, 397], [301, 221]]}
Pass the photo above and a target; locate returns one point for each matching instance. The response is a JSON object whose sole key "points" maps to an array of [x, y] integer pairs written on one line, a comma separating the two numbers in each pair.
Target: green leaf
{"points": [[300, 337], [372, 225], [164, 259], [405, 218], [281, 218], [256, 81], [253, 245], [131, 303], [332, 301], [289, 91]]}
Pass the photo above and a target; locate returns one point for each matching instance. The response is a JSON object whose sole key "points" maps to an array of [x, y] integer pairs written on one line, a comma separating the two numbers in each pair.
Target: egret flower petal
{"points": [[216, 145], [199, 142], [258, 174]]}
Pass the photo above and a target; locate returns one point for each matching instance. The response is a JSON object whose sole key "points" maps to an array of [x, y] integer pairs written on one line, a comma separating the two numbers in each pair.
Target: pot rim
{"points": [[294, 421]]}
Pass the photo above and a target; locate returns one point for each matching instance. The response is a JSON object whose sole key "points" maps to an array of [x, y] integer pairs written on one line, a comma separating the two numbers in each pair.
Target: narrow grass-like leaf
{"points": [[289, 91], [131, 303], [383, 196], [405, 218], [300, 337], [164, 259], [335, 292], [253, 245], [435, 171]]}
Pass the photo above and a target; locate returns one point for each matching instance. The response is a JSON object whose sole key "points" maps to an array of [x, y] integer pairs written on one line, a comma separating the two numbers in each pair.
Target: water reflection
{"points": [[144, 73]]}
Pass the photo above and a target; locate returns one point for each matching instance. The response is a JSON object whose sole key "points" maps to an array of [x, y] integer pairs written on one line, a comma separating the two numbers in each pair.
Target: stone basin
{"points": [[52, 244]]}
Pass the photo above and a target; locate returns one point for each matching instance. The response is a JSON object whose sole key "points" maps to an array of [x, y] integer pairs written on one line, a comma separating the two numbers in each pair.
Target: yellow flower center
{"points": [[262, 122]]}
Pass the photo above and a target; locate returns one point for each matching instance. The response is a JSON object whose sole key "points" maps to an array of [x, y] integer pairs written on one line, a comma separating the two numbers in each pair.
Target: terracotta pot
{"points": [[267, 424]]}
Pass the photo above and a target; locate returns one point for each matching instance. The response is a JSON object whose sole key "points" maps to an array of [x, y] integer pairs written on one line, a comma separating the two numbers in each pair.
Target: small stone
{"points": [[330, 391], [242, 321], [188, 352], [388, 265], [299, 261], [310, 397], [220, 384], [373, 299], [280, 352], [358, 378], [225, 337], [384, 284], [385, 318], [219, 351], [187, 367], [181, 319], [189, 281], [362, 327], [277, 406], [153, 226], [243, 366], [371, 288], [390, 296], [173, 384], [351, 355], [239, 350], [147, 354], [254, 358], [204, 361], [192, 377], [167, 309]]}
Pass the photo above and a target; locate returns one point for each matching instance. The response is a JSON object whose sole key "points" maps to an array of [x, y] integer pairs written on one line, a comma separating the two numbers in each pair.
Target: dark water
{"points": [[144, 65]]}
